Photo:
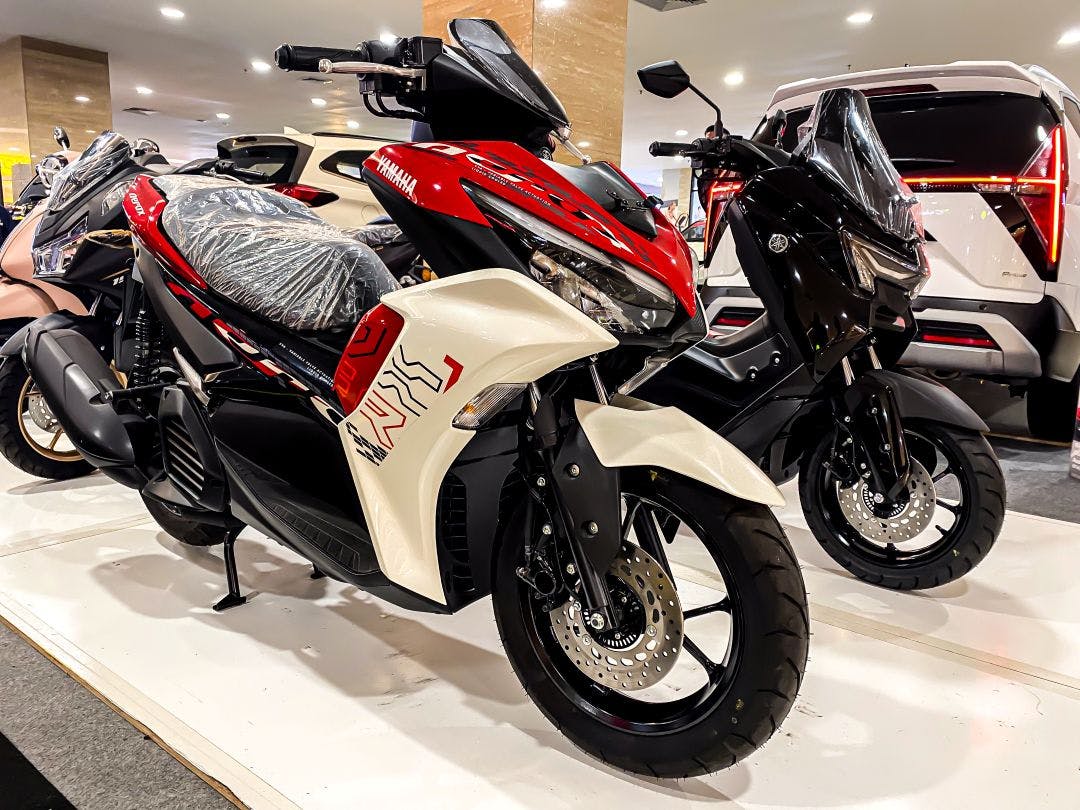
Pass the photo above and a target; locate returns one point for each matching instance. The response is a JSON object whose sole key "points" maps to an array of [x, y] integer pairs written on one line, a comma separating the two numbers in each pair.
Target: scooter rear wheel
{"points": [[962, 493], [30, 436], [745, 642]]}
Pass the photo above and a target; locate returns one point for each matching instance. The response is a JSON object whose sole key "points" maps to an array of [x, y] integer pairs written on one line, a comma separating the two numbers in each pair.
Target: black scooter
{"points": [[898, 482]]}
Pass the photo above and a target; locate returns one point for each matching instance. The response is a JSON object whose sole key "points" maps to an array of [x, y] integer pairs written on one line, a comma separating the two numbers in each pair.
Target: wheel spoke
{"points": [[723, 605], [628, 521], [942, 529], [952, 507], [649, 538], [707, 664], [943, 474], [55, 439]]}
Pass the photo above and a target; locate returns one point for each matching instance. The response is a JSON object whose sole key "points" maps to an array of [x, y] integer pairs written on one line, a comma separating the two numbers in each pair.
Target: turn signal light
{"points": [[486, 404]]}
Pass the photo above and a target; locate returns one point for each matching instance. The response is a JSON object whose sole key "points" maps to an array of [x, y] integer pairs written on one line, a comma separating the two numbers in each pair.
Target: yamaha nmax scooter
{"points": [[897, 480]]}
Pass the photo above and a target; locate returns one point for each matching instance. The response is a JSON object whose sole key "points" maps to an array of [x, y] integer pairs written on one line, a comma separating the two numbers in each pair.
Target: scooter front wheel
{"points": [[711, 641], [31, 438], [941, 526]]}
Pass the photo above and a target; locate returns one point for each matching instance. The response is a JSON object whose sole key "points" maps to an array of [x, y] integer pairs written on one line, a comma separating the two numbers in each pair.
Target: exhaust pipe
{"points": [[74, 379]]}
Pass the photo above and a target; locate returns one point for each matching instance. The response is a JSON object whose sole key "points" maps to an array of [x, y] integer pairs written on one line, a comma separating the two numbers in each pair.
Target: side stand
{"points": [[233, 597], [316, 573]]}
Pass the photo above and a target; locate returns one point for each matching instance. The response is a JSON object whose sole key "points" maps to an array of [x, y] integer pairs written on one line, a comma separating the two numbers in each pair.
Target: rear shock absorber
{"points": [[148, 336]]}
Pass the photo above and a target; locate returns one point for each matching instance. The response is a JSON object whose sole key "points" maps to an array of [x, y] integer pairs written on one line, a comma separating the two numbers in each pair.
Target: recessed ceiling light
{"points": [[387, 38], [681, 133], [171, 13], [352, 124], [13, 149], [143, 91], [584, 144], [1070, 37], [259, 66], [734, 78], [223, 116], [553, 4], [82, 99], [860, 17], [90, 132], [318, 102]]}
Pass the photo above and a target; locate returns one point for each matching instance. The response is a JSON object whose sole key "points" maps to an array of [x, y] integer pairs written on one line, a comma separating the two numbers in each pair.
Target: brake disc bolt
{"points": [[650, 630], [541, 481], [596, 621], [545, 529], [591, 528], [573, 470], [570, 569]]}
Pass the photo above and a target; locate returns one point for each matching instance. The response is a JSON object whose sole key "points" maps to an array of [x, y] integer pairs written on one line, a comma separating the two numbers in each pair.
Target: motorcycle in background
{"points": [[897, 481], [472, 435]]}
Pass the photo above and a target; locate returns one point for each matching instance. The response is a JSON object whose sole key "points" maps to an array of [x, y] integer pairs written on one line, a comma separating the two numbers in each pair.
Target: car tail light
{"points": [[368, 349], [309, 195], [1041, 190], [966, 335]]}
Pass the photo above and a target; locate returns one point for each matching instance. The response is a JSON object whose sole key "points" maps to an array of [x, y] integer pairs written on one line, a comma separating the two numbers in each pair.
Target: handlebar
{"points": [[306, 58], [670, 149]]}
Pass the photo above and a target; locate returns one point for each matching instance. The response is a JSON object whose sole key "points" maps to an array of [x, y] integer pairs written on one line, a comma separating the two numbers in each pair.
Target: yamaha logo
{"points": [[397, 176], [778, 243]]}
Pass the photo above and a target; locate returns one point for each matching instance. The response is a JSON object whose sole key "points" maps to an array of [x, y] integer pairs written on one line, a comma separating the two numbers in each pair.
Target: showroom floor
{"points": [[315, 695]]}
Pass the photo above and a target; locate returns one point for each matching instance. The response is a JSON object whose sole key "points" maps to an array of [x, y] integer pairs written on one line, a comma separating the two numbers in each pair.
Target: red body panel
{"points": [[430, 175], [143, 205]]}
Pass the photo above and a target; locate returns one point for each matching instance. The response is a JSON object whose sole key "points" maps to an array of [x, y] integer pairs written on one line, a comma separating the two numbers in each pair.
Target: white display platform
{"points": [[316, 695]]}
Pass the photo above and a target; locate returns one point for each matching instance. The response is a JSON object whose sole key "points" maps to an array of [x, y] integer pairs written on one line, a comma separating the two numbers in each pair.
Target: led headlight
{"points": [[870, 261], [617, 296], [54, 258]]}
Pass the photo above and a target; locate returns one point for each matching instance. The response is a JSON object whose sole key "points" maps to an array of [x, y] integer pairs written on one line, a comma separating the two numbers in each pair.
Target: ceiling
{"points": [[200, 66]]}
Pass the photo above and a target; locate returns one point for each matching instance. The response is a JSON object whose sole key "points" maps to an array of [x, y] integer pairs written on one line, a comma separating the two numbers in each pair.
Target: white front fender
{"points": [[633, 433]]}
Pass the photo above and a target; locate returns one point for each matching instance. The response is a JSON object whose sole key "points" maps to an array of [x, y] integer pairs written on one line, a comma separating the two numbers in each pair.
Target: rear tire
{"points": [[189, 532], [1051, 408], [706, 731], [15, 445]]}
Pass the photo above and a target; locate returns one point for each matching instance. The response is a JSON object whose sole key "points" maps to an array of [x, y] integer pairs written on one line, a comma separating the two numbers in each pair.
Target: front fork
{"points": [[580, 504], [868, 413]]}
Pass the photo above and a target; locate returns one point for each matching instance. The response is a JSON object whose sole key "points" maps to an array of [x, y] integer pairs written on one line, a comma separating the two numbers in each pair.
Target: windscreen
{"points": [[107, 151], [842, 142], [491, 52]]}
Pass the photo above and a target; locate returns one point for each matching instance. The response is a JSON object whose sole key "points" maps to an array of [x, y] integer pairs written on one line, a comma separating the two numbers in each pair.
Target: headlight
{"points": [[617, 296], [54, 258], [869, 261]]}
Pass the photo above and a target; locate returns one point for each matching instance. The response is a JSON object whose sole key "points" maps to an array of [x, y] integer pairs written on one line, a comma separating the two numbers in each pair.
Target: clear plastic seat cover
{"points": [[270, 254]]}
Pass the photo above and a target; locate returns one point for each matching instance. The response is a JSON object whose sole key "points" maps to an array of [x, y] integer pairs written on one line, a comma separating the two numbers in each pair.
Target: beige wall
{"points": [[38, 84], [579, 50]]}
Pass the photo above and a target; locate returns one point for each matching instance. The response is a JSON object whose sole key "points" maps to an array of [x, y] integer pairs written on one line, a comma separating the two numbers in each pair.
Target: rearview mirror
{"points": [[664, 79], [61, 136]]}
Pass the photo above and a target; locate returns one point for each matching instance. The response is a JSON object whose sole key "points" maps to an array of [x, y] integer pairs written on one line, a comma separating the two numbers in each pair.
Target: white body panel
{"points": [[501, 328], [633, 433]]}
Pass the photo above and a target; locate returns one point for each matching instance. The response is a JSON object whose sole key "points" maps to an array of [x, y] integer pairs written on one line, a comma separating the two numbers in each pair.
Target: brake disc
{"points": [[39, 411], [890, 523], [644, 647]]}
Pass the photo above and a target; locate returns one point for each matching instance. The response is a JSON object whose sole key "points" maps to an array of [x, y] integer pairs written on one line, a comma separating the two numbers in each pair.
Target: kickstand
{"points": [[233, 597], [316, 573]]}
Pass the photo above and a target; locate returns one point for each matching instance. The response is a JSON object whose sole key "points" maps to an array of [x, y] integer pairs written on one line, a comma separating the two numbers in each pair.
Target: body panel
{"points": [[493, 326]]}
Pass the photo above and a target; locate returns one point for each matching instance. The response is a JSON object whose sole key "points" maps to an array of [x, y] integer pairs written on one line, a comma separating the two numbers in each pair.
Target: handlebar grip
{"points": [[669, 149], [305, 58]]}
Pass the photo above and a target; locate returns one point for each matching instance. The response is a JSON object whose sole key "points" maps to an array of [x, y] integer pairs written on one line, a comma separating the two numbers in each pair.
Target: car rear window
{"points": [[349, 163], [274, 158], [954, 133]]}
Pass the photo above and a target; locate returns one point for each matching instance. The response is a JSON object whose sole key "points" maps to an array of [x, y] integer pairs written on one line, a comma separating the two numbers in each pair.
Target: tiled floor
{"points": [[316, 695]]}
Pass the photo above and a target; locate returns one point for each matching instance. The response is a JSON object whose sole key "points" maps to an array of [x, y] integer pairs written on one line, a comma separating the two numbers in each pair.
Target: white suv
{"points": [[988, 147], [321, 169]]}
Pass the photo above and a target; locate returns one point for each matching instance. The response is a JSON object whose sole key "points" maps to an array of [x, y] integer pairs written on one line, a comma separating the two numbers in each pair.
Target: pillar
{"points": [[39, 82], [577, 46]]}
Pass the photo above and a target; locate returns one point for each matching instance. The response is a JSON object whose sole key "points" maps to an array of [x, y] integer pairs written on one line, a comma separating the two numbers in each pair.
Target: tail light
{"points": [[720, 192], [368, 348], [309, 195], [1039, 188]]}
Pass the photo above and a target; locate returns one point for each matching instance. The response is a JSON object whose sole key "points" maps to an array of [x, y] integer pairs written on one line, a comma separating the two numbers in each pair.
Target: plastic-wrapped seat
{"points": [[270, 254]]}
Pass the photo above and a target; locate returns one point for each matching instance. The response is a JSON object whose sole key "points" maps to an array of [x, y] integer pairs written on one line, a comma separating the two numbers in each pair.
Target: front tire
{"points": [[187, 531], [961, 464], [39, 450], [744, 699]]}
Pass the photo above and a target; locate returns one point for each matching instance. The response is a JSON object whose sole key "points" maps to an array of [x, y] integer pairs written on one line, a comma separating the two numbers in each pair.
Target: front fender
{"points": [[633, 433], [919, 397]]}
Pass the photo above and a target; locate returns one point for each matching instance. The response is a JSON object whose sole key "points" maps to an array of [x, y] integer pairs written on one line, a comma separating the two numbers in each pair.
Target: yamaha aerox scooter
{"points": [[467, 436], [897, 480]]}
